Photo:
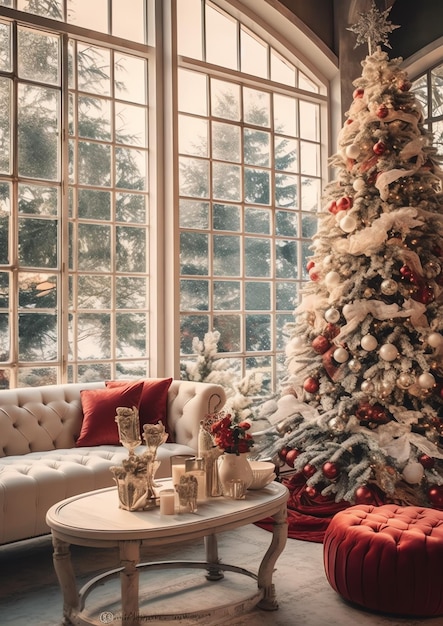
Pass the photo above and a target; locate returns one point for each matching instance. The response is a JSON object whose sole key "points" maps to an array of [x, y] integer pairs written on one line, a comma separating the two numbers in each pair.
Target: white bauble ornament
{"points": [[341, 355], [386, 388], [359, 184], [388, 352], [368, 342], [348, 223], [413, 473], [434, 340], [327, 260], [293, 345], [332, 316], [426, 380], [405, 380], [354, 365], [332, 279], [388, 287], [339, 216], [346, 310], [367, 386], [352, 151]]}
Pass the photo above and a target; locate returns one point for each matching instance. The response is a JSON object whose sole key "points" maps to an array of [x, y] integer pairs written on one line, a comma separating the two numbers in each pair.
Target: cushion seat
{"points": [[388, 558]]}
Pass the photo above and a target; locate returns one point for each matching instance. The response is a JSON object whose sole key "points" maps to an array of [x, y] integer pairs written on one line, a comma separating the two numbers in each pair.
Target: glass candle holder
{"points": [[178, 466]]}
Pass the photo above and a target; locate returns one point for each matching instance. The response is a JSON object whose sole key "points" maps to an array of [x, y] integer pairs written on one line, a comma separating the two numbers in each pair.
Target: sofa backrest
{"points": [[34, 419]]}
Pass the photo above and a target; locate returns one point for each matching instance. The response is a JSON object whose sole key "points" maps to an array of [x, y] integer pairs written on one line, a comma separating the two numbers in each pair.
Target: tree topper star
{"points": [[373, 27]]}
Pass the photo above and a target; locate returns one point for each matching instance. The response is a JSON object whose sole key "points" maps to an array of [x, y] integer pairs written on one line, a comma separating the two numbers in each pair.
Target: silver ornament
{"points": [[354, 365], [389, 287], [332, 315], [405, 380], [367, 386]]}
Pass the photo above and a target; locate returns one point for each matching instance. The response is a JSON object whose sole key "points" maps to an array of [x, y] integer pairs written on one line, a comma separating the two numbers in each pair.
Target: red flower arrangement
{"points": [[232, 436]]}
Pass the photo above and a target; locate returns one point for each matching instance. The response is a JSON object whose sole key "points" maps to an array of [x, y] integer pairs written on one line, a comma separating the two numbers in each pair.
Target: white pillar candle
{"points": [[178, 470], [167, 501]]}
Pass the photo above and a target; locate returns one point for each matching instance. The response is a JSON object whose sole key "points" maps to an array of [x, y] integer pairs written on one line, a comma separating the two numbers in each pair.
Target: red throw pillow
{"points": [[99, 410], [153, 402]]}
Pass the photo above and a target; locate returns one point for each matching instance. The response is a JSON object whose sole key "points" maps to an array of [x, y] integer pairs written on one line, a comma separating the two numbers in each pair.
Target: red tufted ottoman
{"points": [[387, 558]]}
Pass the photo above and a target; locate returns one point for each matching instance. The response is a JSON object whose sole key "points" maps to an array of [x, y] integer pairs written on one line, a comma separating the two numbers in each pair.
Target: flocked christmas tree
{"points": [[365, 355]]}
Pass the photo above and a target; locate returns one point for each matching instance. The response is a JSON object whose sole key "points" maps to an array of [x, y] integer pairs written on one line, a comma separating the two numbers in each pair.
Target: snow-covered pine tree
{"points": [[366, 346]]}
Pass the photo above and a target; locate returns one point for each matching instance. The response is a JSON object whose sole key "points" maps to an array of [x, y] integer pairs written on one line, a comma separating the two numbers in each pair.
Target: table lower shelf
{"points": [[184, 596]]}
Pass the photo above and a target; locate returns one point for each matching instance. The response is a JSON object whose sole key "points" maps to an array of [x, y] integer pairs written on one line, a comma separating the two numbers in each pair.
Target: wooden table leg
{"points": [[129, 559], [66, 578], [214, 573], [279, 537]]}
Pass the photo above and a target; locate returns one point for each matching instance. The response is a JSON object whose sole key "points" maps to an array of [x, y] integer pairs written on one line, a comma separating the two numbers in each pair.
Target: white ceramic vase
{"points": [[234, 467]]}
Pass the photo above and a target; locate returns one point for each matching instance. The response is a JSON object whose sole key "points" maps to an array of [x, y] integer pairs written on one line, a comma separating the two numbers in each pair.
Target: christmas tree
{"points": [[365, 353]]}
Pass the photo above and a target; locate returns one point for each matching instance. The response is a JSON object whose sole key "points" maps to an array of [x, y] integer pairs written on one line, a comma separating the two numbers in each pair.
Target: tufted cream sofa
{"points": [[40, 465]]}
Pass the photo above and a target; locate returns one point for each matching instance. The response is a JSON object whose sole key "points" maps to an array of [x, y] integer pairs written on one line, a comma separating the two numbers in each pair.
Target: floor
{"points": [[29, 592]]}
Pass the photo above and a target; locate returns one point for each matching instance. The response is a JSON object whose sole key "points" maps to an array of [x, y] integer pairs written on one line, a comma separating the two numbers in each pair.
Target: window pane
{"points": [[5, 125], [227, 295], [130, 76], [257, 221], [257, 296], [37, 291], [130, 169], [226, 181], [226, 255], [193, 136], [52, 9], [285, 115], [225, 100], [38, 56], [309, 158], [286, 223], [128, 24], [131, 293], [286, 259], [437, 90], [281, 70], [286, 191], [5, 47], [38, 242], [226, 217], [257, 186], [131, 249], [37, 200], [5, 212], [225, 142], [256, 107], [37, 339], [94, 118], [189, 29], [258, 332], [194, 253], [192, 326], [221, 38], [229, 328], [94, 164], [254, 55], [310, 194], [130, 207], [38, 129], [94, 292], [192, 96], [94, 204], [256, 147], [93, 68], [195, 295], [80, 14], [286, 154], [286, 296], [309, 120], [194, 177], [5, 339], [194, 214], [257, 257], [131, 335], [94, 247], [94, 334]]}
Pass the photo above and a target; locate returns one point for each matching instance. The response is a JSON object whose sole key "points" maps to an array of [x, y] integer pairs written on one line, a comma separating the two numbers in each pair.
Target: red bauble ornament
{"points": [[309, 470], [321, 344], [349, 121], [425, 295], [382, 111], [291, 455], [332, 207], [363, 495], [344, 203], [358, 93], [331, 331], [435, 495], [311, 384], [379, 148], [405, 85], [283, 452], [330, 470], [311, 491], [426, 460], [313, 274], [310, 264]]}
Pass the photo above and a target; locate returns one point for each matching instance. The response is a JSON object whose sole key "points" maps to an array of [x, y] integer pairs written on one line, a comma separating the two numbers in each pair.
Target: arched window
{"points": [[160, 169]]}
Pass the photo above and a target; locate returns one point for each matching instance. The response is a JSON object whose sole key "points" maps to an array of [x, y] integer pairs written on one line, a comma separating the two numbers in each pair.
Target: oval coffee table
{"points": [[95, 519]]}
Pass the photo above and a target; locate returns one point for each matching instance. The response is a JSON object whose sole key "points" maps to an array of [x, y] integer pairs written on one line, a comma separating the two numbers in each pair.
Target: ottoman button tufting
{"points": [[387, 558]]}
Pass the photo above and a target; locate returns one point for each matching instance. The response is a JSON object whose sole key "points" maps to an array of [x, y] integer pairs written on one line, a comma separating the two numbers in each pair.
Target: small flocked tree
{"points": [[366, 347]]}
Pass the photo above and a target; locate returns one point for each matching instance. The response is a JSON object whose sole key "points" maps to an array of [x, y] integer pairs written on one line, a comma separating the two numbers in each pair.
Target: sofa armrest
{"points": [[188, 403]]}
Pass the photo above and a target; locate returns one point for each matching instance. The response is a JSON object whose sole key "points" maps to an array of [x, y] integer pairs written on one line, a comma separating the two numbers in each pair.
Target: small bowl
{"points": [[263, 473]]}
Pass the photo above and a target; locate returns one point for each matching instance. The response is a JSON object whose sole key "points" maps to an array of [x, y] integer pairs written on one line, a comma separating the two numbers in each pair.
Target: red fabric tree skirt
{"points": [[308, 517]]}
